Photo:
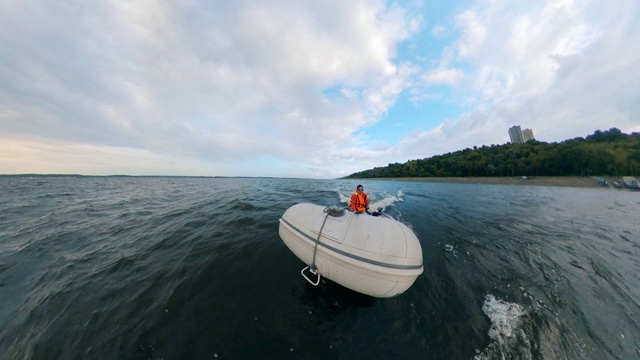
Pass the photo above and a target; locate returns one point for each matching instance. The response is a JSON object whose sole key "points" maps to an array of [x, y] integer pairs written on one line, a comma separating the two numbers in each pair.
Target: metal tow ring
{"points": [[314, 272]]}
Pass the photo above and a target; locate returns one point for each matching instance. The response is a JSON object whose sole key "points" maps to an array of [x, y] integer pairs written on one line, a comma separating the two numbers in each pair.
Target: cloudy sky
{"points": [[316, 89]]}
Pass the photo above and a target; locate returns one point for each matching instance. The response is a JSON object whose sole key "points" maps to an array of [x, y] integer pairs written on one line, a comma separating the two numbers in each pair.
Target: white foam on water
{"points": [[344, 198], [387, 200], [507, 332]]}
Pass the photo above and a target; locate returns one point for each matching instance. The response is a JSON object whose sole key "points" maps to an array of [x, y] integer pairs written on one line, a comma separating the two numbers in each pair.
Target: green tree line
{"points": [[604, 153]]}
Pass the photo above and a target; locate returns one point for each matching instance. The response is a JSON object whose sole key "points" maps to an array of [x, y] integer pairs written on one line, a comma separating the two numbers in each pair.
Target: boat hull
{"points": [[376, 256]]}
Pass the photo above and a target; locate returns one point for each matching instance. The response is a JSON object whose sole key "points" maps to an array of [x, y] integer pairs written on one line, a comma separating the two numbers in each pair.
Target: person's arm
{"points": [[352, 203]]}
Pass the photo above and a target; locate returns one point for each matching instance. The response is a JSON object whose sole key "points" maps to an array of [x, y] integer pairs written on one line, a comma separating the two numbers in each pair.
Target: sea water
{"points": [[193, 268]]}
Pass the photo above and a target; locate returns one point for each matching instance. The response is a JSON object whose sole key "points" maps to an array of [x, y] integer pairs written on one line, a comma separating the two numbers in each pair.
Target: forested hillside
{"points": [[611, 153]]}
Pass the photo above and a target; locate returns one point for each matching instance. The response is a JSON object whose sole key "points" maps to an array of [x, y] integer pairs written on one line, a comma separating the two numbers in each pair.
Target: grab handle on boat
{"points": [[314, 272]]}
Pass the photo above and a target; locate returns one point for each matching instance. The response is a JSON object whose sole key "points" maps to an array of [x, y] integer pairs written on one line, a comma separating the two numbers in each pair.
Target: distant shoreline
{"points": [[568, 181]]}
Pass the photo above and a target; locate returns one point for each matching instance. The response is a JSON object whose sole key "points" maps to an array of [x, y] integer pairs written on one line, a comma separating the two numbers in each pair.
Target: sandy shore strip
{"points": [[571, 181]]}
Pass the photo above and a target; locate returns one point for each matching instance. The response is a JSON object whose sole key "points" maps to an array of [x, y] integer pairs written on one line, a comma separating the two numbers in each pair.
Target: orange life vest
{"points": [[360, 201]]}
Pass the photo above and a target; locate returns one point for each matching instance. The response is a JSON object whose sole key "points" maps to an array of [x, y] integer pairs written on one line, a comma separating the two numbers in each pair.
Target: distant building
{"points": [[527, 135], [516, 135]]}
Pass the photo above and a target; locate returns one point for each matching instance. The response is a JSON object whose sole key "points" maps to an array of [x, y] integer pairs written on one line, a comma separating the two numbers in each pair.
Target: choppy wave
{"points": [[508, 335], [191, 267]]}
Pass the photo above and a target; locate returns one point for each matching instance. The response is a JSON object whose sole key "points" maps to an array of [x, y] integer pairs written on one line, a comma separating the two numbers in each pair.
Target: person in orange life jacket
{"points": [[359, 200]]}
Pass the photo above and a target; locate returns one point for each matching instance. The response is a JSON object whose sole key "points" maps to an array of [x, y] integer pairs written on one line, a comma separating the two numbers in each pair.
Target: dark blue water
{"points": [[193, 268]]}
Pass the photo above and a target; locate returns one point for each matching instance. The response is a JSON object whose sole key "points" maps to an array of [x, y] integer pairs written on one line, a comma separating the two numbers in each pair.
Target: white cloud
{"points": [[474, 34], [46, 156], [215, 81], [564, 69], [437, 30], [448, 76], [221, 87]]}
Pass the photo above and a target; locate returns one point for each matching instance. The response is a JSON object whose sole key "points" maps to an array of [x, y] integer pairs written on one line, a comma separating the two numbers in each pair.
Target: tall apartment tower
{"points": [[516, 135], [527, 135]]}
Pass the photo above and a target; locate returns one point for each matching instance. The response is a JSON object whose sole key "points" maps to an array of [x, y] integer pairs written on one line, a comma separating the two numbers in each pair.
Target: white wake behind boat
{"points": [[376, 256]]}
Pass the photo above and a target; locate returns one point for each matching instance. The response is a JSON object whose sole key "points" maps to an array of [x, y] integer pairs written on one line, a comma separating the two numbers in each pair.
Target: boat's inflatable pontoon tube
{"points": [[376, 256]]}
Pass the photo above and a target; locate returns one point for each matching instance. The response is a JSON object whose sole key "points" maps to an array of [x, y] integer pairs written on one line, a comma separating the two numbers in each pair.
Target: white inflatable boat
{"points": [[376, 256]]}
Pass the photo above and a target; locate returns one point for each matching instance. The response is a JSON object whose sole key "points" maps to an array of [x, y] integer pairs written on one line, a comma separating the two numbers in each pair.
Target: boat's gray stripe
{"points": [[360, 258]]}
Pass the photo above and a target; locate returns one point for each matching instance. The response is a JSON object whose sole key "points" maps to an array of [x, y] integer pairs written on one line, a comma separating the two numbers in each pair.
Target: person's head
{"points": [[359, 188]]}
